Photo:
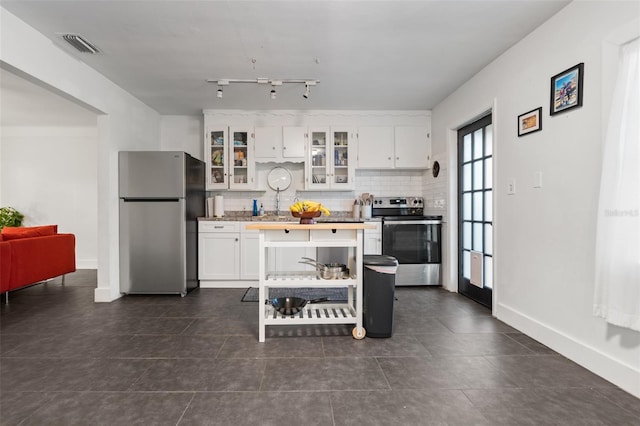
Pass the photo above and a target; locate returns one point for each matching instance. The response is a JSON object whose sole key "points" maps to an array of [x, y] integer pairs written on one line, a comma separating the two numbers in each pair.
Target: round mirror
{"points": [[279, 179]]}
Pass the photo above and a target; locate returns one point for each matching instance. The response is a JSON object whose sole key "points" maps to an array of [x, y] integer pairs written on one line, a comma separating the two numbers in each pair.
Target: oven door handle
{"points": [[411, 222]]}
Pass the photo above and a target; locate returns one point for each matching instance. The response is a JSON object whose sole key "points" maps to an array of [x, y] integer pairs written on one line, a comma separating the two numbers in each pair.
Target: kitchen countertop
{"points": [[314, 226], [242, 216]]}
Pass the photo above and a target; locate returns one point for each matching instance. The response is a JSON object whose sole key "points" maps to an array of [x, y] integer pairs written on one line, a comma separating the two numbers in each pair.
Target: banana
{"points": [[296, 207], [308, 206]]}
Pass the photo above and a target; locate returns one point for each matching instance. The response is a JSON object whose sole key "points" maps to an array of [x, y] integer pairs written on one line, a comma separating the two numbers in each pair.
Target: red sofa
{"points": [[29, 255]]}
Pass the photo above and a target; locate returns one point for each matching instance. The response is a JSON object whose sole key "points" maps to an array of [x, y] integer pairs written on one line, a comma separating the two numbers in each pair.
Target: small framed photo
{"points": [[530, 122], [566, 89]]}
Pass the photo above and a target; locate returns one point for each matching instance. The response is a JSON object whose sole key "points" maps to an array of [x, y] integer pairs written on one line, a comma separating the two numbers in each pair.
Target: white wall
{"points": [[49, 174], [182, 133], [544, 238], [125, 123]]}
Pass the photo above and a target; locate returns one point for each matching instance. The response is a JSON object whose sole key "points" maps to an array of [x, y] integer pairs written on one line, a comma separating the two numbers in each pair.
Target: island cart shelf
{"points": [[274, 235]]}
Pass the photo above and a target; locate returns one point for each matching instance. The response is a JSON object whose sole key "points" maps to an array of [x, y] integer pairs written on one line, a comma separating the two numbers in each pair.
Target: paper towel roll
{"points": [[209, 206], [218, 206]]}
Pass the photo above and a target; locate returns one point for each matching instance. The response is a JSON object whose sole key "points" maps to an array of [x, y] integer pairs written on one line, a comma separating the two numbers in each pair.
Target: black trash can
{"points": [[378, 292]]}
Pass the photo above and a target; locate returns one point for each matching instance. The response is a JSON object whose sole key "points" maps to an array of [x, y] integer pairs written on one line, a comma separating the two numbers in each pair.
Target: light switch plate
{"points": [[511, 186], [537, 179]]}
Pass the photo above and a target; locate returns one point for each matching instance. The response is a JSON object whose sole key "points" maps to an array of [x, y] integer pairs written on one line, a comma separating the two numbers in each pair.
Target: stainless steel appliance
{"points": [[162, 194], [412, 238]]}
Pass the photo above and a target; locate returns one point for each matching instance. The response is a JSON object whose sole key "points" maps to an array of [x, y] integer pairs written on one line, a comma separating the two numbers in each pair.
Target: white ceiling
{"points": [[382, 55]]}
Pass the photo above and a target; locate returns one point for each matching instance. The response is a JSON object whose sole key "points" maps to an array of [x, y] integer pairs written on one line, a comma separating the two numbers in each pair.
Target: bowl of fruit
{"points": [[307, 211]]}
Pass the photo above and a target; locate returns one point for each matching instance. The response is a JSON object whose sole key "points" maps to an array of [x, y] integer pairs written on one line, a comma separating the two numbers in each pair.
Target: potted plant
{"points": [[10, 217]]}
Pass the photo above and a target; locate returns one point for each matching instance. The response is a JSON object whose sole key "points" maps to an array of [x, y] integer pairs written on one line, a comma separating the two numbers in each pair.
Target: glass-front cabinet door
{"points": [[217, 170], [331, 159], [241, 162], [343, 159], [230, 162], [317, 164]]}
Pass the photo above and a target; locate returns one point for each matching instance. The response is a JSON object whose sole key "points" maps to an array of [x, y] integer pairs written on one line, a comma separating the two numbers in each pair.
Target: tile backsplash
{"points": [[381, 183]]}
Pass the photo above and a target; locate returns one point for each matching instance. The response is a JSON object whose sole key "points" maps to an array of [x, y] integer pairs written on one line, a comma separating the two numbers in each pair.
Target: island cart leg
{"points": [[261, 286], [359, 332]]}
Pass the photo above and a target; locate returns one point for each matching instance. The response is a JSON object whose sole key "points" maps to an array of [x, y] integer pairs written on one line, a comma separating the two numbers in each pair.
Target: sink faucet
{"points": [[278, 201]]}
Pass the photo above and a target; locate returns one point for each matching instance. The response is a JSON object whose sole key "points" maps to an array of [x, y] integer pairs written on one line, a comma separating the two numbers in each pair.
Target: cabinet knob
{"points": [[236, 240], [273, 148], [388, 158], [397, 158]]}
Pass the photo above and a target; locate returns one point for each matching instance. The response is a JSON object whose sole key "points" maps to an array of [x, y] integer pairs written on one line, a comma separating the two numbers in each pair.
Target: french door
{"points": [[475, 215]]}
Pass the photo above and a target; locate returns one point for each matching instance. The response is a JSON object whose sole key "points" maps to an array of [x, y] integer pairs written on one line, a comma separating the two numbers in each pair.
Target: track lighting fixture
{"points": [[307, 88], [220, 84], [274, 83]]}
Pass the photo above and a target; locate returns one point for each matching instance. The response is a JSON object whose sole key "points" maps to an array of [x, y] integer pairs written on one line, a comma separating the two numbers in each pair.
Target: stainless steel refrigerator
{"points": [[162, 194]]}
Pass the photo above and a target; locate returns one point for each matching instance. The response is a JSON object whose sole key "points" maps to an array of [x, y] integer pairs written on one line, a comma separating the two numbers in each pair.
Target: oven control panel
{"points": [[398, 206], [398, 202]]}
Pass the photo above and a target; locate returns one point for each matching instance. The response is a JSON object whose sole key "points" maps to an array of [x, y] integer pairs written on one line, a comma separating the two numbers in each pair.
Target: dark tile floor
{"points": [[166, 360]]}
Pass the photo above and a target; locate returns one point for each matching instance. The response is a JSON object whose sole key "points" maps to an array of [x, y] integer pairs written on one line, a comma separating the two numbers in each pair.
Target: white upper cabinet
{"points": [[229, 158], [294, 141], [279, 144], [375, 147], [216, 144], [389, 147], [241, 162], [268, 141], [330, 163], [412, 147]]}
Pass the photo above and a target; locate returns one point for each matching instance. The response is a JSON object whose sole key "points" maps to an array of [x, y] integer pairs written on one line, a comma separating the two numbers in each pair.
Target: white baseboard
{"points": [[622, 375], [228, 284], [104, 295]]}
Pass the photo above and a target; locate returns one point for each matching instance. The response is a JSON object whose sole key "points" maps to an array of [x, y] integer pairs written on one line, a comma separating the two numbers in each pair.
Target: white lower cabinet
{"points": [[373, 239], [228, 255], [218, 255]]}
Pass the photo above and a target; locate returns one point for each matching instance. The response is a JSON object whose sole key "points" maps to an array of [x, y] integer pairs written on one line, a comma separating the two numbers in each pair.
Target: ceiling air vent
{"points": [[80, 43]]}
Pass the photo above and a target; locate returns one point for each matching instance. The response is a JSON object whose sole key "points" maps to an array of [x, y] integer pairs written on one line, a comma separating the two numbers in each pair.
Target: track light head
{"points": [[219, 94], [307, 91], [273, 93]]}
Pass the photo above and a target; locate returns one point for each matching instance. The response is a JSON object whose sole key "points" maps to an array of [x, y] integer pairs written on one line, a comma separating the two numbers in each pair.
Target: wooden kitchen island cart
{"points": [[286, 234]]}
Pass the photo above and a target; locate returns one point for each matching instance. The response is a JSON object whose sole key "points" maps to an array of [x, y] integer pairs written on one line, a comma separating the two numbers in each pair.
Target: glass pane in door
{"points": [[467, 148], [477, 144], [217, 144], [318, 157], [340, 157], [240, 152]]}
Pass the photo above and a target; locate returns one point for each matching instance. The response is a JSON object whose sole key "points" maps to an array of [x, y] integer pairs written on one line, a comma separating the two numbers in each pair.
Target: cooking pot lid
{"points": [[279, 178]]}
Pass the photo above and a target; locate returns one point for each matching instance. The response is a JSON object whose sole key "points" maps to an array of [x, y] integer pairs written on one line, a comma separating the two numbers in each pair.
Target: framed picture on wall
{"points": [[530, 122], [566, 89]]}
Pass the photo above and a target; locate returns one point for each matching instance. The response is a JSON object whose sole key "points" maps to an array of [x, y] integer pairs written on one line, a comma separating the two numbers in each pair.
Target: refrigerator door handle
{"points": [[151, 200]]}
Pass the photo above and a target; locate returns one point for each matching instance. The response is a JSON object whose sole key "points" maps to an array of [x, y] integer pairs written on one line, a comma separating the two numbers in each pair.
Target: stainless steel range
{"points": [[412, 238]]}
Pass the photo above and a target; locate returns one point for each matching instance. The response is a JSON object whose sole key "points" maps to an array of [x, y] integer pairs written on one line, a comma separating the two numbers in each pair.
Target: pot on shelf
{"points": [[292, 305], [328, 271]]}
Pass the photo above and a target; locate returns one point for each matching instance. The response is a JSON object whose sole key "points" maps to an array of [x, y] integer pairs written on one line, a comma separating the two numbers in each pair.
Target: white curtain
{"points": [[617, 291]]}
